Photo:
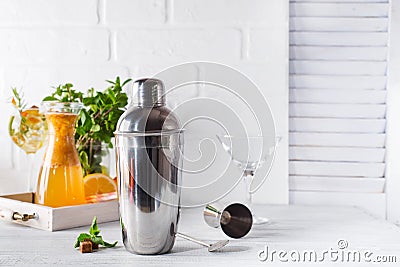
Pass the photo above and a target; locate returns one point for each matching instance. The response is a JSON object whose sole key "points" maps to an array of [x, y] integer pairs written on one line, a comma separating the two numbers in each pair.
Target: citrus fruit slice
{"points": [[33, 118], [98, 183]]}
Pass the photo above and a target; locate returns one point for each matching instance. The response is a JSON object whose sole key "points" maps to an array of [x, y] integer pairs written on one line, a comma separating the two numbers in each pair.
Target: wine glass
{"points": [[250, 153], [27, 129]]}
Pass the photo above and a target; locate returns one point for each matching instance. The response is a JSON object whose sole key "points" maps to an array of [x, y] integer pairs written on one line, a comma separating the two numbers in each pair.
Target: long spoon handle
{"points": [[192, 239]]}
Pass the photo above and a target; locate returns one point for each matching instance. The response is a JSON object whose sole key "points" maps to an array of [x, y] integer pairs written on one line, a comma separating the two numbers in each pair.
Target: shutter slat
{"points": [[337, 67], [342, 154], [337, 82], [337, 96], [338, 24], [338, 53], [337, 125], [338, 10], [339, 38], [337, 91], [337, 110], [347, 169], [337, 184], [337, 139]]}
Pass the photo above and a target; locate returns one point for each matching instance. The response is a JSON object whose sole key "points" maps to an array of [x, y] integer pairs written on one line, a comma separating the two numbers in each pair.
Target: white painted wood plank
{"points": [[341, 154], [339, 10], [311, 226], [338, 24], [339, 1], [337, 125], [339, 38], [336, 184], [339, 47], [337, 139], [54, 219], [66, 217], [321, 67], [337, 82], [337, 53], [44, 213], [337, 96], [344, 169], [373, 203], [337, 110], [393, 115]]}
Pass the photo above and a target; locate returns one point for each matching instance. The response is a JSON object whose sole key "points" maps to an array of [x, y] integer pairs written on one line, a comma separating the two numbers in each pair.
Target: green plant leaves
{"points": [[95, 128], [65, 93], [50, 98], [98, 119]]}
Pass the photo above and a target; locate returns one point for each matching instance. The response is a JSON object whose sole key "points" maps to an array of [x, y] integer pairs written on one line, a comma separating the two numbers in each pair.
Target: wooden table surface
{"points": [[292, 228]]}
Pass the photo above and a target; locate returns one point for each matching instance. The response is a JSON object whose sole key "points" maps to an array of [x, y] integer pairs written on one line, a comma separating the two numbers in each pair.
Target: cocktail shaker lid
{"points": [[149, 92], [148, 115]]}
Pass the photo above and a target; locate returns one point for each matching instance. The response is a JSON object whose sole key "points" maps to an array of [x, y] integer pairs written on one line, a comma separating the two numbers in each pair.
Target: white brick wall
{"points": [[177, 45], [48, 13], [57, 46], [48, 42], [226, 12], [130, 13]]}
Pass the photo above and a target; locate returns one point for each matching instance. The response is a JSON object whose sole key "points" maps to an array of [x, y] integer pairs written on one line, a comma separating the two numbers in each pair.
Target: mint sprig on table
{"points": [[93, 236]]}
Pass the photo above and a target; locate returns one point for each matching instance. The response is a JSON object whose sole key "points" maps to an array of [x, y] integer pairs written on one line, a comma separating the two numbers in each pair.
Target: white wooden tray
{"points": [[15, 207]]}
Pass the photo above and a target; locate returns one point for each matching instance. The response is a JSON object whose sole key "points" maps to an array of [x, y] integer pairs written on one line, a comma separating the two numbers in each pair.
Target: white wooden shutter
{"points": [[338, 61]]}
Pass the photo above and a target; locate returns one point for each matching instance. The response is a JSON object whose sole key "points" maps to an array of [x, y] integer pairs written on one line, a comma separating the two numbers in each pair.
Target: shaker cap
{"points": [[148, 115], [149, 92]]}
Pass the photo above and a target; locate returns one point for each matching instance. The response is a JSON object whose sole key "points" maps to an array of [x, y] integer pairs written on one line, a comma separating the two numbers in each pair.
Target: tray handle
{"points": [[9, 215]]}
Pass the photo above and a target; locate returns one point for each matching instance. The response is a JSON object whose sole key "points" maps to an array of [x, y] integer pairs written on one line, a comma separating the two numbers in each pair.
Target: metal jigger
{"points": [[235, 220]]}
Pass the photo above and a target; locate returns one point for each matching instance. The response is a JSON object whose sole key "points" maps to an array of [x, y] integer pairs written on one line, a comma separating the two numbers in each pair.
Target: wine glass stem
{"points": [[248, 179], [31, 175]]}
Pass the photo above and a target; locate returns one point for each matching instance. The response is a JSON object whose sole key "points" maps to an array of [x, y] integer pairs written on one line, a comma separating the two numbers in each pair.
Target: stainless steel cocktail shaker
{"points": [[149, 144]]}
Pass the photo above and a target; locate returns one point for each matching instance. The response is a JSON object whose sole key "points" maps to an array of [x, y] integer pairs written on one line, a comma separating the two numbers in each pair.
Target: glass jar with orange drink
{"points": [[60, 180]]}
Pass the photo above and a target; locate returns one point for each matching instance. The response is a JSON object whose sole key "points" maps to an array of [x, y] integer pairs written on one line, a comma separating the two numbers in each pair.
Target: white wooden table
{"points": [[292, 228]]}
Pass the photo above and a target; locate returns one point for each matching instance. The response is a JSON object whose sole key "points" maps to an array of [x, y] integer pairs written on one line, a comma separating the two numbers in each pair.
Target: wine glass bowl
{"points": [[249, 153], [27, 130]]}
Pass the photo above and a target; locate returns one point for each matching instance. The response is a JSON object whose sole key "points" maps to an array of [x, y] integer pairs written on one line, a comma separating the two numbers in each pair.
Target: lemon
{"points": [[98, 183]]}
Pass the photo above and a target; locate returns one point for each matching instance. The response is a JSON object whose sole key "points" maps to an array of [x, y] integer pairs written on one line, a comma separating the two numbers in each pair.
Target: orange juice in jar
{"points": [[60, 180]]}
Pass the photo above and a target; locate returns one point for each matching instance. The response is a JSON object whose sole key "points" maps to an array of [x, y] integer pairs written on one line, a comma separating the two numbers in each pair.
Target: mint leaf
{"points": [[108, 245], [95, 128], [97, 240], [94, 229], [127, 81], [49, 98]]}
